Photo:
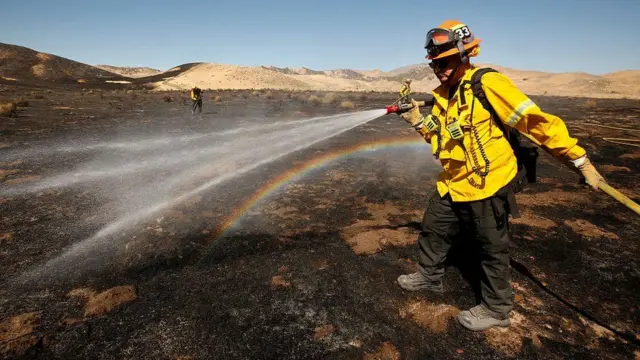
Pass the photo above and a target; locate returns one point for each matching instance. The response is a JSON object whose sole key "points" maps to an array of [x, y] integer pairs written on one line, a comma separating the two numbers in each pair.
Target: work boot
{"points": [[478, 318], [417, 281]]}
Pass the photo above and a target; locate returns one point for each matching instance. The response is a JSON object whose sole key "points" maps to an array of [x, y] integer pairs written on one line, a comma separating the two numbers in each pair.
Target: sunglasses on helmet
{"points": [[440, 40]]}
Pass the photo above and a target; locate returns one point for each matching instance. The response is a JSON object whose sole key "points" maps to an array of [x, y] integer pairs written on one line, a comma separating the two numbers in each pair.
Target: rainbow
{"points": [[304, 169]]}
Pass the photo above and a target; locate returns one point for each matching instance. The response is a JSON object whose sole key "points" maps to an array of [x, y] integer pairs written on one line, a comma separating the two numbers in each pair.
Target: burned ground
{"points": [[309, 270]]}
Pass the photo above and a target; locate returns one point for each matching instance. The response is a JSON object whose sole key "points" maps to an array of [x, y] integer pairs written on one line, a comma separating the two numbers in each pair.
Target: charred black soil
{"points": [[308, 271]]}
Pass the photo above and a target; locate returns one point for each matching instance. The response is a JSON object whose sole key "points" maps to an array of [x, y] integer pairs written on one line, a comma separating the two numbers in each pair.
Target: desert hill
{"points": [[294, 71], [417, 72], [22, 64], [212, 76], [613, 85], [223, 76], [218, 76], [134, 72]]}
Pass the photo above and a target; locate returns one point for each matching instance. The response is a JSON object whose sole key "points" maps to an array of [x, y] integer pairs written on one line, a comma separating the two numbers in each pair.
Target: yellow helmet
{"points": [[450, 38]]}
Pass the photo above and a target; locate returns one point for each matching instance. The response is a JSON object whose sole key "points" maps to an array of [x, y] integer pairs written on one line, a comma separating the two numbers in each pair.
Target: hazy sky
{"points": [[595, 36]]}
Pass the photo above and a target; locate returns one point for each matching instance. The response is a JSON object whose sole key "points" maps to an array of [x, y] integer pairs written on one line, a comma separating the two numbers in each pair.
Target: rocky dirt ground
{"points": [[307, 272]]}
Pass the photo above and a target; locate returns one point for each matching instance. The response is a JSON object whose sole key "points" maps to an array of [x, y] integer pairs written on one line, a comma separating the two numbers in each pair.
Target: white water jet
{"points": [[175, 153], [217, 163]]}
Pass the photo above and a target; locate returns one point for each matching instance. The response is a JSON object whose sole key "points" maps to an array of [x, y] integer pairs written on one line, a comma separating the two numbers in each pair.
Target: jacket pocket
{"points": [[453, 151]]}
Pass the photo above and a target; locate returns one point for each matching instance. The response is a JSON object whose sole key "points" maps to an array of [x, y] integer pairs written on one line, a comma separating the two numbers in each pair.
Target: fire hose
{"points": [[606, 188]]}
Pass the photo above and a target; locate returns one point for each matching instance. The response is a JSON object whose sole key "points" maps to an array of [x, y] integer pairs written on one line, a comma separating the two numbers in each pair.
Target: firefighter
{"points": [[196, 98], [405, 91], [475, 190]]}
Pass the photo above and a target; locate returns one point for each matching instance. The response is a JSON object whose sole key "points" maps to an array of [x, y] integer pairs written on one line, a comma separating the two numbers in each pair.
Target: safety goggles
{"points": [[440, 40]]}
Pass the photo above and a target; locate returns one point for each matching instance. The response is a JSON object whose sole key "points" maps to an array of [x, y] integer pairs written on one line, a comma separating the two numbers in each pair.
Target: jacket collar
{"points": [[441, 93]]}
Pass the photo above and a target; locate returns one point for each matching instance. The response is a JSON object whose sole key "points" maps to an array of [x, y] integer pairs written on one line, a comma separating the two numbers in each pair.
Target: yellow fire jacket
{"points": [[405, 90], [480, 134], [194, 96]]}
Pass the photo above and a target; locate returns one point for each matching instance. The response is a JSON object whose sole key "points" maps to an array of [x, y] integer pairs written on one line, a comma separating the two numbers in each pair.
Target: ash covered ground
{"points": [[296, 258]]}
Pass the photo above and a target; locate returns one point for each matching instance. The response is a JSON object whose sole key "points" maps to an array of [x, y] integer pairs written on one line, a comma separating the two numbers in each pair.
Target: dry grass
{"points": [[323, 331], [386, 351], [590, 104], [8, 109], [97, 304], [18, 334], [167, 98], [331, 98], [347, 105], [216, 98], [314, 100], [433, 317]]}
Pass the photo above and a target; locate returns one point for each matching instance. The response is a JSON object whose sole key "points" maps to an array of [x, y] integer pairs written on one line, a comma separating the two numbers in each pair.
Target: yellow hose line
{"points": [[619, 139], [400, 98], [619, 196], [606, 188], [613, 127], [622, 141]]}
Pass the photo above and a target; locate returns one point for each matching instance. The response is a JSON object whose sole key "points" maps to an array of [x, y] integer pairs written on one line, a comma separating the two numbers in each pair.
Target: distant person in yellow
{"points": [[196, 98], [405, 91], [473, 130]]}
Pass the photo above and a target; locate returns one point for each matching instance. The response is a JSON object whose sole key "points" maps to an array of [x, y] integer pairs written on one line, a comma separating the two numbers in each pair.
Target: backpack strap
{"points": [[513, 137], [476, 88]]}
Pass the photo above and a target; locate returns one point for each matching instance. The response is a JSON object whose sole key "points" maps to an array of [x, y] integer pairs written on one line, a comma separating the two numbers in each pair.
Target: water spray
{"points": [[192, 167]]}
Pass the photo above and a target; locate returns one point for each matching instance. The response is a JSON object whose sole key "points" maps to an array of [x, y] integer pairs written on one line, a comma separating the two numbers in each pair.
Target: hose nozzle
{"points": [[399, 109]]}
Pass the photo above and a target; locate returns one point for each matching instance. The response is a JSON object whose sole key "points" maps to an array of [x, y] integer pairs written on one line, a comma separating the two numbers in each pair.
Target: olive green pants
{"points": [[487, 222]]}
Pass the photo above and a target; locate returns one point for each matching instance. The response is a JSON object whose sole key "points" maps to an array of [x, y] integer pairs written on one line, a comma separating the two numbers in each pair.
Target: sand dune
{"points": [[19, 64]]}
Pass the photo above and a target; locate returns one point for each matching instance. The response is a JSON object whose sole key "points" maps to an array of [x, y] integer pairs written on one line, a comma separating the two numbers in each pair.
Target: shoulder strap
{"points": [[524, 154], [476, 87]]}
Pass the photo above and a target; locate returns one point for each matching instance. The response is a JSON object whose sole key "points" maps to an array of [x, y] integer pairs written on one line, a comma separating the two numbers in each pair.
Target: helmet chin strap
{"points": [[464, 57], [451, 79], [454, 73], [463, 53]]}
